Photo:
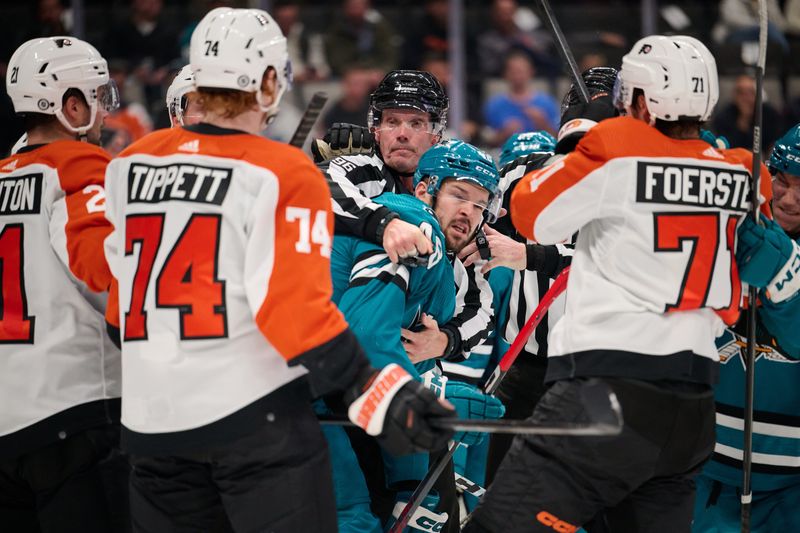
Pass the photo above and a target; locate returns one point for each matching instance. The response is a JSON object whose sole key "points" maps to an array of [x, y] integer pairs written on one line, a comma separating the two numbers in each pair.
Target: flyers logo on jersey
{"points": [[693, 185], [189, 183], [21, 195]]}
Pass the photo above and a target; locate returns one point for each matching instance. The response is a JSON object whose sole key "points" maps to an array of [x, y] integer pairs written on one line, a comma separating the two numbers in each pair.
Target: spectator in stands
{"points": [[199, 9], [735, 121], [147, 42], [51, 19], [306, 49], [738, 22], [130, 121], [427, 35], [352, 106], [791, 9], [514, 28], [359, 34], [522, 108], [438, 65]]}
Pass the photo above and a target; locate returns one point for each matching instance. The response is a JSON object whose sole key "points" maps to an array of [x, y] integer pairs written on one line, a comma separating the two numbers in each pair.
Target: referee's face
{"points": [[403, 136]]}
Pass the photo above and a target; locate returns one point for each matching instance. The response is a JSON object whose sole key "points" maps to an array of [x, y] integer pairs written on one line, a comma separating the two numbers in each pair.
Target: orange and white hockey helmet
{"points": [[677, 74], [231, 49], [176, 94], [42, 70]]}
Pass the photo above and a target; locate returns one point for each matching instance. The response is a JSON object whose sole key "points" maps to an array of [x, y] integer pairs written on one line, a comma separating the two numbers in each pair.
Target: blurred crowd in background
{"points": [[513, 73]]}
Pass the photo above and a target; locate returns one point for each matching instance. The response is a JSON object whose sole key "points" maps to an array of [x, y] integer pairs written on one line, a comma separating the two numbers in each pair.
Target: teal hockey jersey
{"points": [[776, 429], [378, 297]]}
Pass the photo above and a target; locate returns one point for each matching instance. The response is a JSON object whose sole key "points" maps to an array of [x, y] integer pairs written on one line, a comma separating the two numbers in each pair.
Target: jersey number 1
{"points": [[15, 325], [187, 282]]}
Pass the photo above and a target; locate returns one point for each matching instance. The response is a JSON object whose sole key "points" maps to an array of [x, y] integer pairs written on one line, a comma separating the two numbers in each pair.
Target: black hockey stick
{"points": [[308, 119], [563, 48], [750, 372], [422, 490], [603, 411], [600, 405]]}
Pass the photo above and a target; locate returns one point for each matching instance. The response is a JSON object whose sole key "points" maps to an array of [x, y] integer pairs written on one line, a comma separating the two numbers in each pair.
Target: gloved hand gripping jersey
{"points": [[768, 258], [470, 403]]}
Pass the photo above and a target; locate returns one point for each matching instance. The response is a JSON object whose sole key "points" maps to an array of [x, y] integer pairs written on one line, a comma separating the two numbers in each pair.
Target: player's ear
{"points": [[75, 110], [269, 85], [421, 192]]}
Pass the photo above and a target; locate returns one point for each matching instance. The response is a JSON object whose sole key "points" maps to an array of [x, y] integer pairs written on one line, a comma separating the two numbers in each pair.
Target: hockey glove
{"points": [[768, 258], [397, 410], [470, 403], [580, 118], [342, 139], [425, 518]]}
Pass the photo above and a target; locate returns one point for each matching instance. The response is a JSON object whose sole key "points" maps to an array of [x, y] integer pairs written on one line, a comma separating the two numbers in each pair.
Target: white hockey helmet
{"points": [[42, 70], [678, 76], [176, 94], [231, 49]]}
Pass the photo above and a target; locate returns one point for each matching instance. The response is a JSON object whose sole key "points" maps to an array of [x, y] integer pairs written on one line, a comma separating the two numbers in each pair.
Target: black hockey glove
{"points": [[579, 118], [397, 409], [342, 139]]}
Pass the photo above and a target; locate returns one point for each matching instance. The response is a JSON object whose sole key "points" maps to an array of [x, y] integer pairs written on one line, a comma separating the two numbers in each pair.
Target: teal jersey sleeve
{"points": [[378, 297], [781, 321]]}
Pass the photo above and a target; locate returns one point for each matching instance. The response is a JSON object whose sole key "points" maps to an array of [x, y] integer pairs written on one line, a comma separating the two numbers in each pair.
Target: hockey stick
{"points": [[605, 415], [308, 119], [563, 48], [750, 372], [505, 363]]}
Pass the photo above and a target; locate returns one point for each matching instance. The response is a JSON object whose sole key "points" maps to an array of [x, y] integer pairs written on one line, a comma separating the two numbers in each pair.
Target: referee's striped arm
{"points": [[528, 288], [473, 320], [353, 182]]}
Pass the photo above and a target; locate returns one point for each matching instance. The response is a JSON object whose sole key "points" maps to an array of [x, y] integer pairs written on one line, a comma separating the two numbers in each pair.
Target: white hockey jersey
{"points": [[221, 248], [57, 364], [653, 271]]}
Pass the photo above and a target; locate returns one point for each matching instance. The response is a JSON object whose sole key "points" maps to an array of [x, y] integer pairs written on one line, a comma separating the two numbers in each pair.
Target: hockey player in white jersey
{"points": [[221, 247], [653, 282], [183, 103], [60, 469]]}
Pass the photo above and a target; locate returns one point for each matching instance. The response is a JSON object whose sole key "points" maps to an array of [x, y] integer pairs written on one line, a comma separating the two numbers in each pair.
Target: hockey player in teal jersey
{"points": [[768, 257], [456, 192]]}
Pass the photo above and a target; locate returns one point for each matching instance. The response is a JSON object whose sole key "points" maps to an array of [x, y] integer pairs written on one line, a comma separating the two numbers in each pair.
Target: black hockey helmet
{"points": [[599, 82], [413, 89]]}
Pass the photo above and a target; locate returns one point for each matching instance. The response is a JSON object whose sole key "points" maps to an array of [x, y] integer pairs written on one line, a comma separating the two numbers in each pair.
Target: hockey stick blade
{"points": [[308, 119], [512, 427]]}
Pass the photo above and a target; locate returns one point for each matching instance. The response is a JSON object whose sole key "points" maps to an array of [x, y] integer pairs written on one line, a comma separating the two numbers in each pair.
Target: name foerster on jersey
{"points": [[21, 195], [692, 185], [189, 183]]}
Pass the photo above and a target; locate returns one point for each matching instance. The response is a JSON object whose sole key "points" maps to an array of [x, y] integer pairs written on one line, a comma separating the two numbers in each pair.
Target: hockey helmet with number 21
{"points": [[232, 48], [677, 74], [42, 70], [462, 162]]}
